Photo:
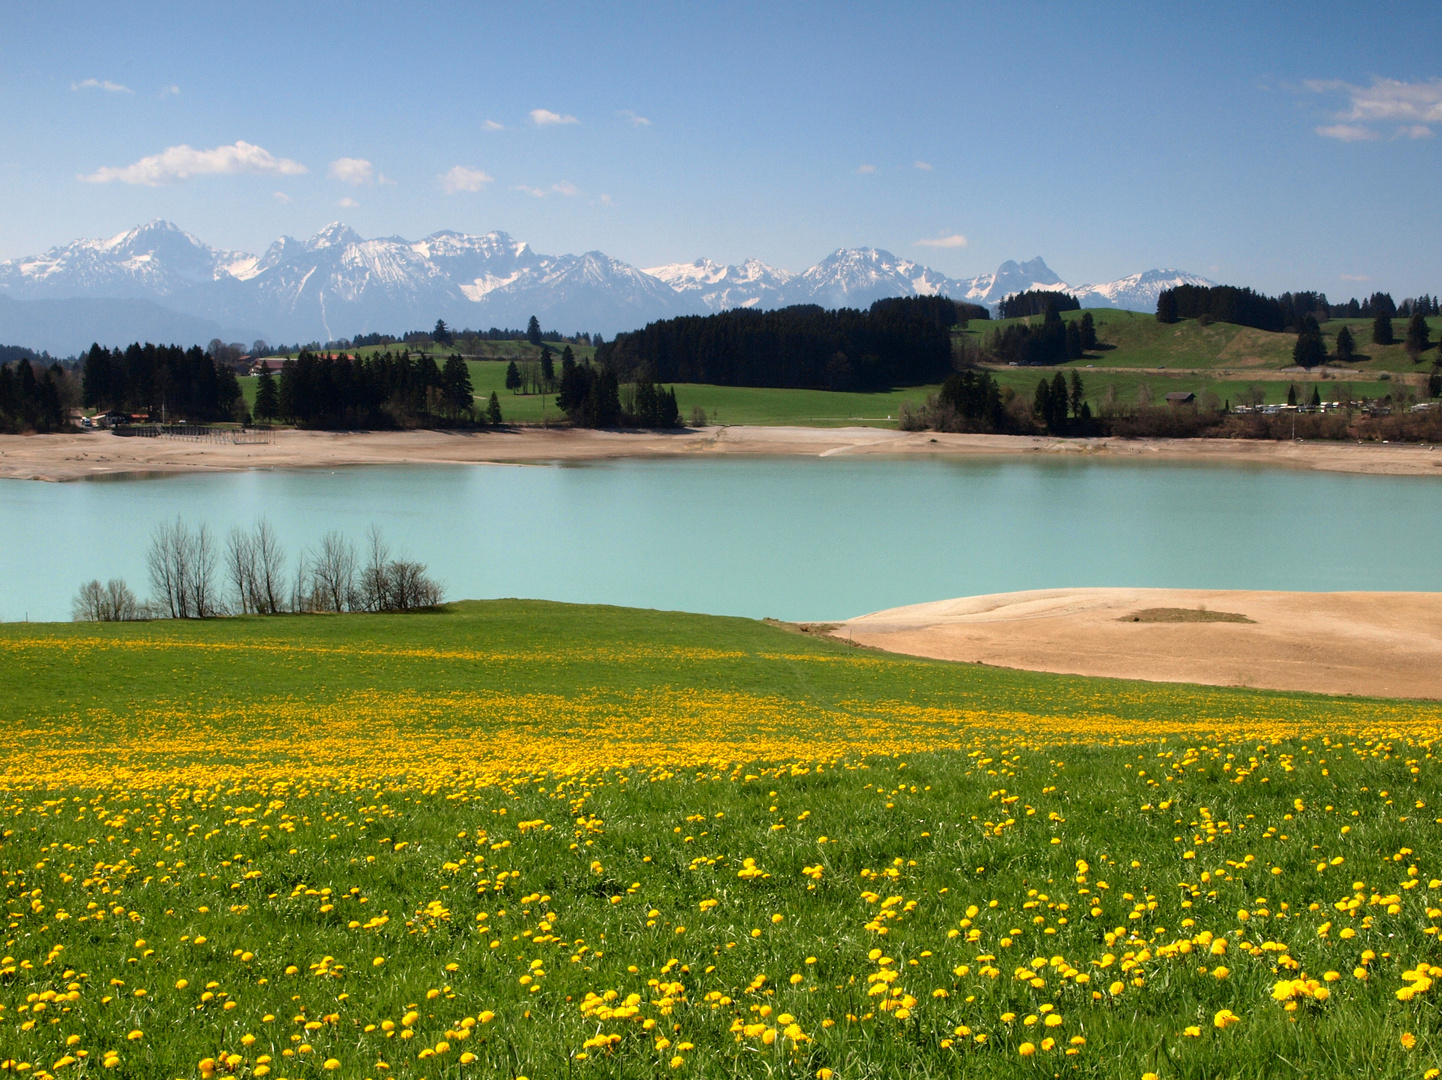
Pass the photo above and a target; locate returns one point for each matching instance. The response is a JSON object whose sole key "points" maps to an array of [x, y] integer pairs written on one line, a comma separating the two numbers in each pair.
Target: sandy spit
{"points": [[80, 455], [1368, 643]]}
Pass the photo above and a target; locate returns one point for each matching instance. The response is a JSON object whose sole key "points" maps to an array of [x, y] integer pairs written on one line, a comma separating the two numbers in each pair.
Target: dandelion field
{"points": [[526, 839]]}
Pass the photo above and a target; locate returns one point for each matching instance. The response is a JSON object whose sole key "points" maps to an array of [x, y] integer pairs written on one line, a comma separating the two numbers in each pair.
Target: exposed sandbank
{"points": [[80, 455], [1377, 644]]}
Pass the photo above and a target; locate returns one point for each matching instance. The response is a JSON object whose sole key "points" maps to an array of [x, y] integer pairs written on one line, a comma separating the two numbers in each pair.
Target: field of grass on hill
{"points": [[1221, 359], [526, 839], [1137, 340]]}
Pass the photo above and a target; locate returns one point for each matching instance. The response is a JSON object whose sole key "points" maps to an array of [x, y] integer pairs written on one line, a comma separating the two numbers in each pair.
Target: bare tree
{"points": [[375, 575], [204, 601], [167, 562], [240, 569], [411, 588], [300, 594], [269, 598], [333, 574], [182, 571], [111, 602]]}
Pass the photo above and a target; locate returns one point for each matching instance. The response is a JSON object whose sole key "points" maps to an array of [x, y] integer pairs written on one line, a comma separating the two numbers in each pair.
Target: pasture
{"points": [[525, 839]]}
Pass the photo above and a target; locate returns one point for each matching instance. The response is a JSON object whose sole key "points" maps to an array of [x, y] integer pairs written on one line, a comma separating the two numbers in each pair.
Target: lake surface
{"points": [[793, 538]]}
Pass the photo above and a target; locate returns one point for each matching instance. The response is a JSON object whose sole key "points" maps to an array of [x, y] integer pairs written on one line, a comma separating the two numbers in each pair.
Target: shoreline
{"points": [[1375, 644], [82, 455]]}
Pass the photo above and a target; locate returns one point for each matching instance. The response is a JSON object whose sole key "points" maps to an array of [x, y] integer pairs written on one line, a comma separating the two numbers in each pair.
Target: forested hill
{"points": [[896, 342]]}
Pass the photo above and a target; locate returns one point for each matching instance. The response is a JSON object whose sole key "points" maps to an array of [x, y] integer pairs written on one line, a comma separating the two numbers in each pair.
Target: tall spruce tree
{"points": [[533, 331], [1077, 394], [1346, 345], [1309, 351], [1419, 336], [1382, 330], [267, 397]]}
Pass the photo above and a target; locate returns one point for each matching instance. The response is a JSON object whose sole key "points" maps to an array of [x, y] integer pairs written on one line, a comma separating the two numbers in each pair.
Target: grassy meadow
{"points": [[1221, 359], [527, 839], [722, 404]]}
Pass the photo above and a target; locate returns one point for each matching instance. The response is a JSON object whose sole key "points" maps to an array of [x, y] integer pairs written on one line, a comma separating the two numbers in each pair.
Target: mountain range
{"points": [[158, 282]]}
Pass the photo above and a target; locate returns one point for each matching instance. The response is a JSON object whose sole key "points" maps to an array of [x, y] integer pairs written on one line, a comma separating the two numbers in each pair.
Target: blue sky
{"points": [[1275, 145]]}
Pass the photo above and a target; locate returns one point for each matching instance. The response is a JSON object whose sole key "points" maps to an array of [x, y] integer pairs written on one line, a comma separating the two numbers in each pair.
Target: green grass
{"points": [[1222, 359], [1128, 384], [722, 404], [1137, 340], [513, 805]]}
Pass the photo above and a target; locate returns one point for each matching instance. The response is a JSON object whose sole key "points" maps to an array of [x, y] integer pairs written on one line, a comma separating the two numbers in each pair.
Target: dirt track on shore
{"points": [[1376, 644], [80, 455]]}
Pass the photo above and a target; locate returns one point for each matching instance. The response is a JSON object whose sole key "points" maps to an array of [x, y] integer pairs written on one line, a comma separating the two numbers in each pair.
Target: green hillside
{"points": [[1221, 358]]}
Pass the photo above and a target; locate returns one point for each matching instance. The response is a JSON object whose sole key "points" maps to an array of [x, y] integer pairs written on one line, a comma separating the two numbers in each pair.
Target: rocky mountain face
{"points": [[339, 284]]}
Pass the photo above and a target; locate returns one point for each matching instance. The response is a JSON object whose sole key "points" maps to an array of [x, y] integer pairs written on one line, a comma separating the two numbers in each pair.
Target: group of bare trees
{"points": [[336, 578], [111, 602], [193, 577], [255, 565], [182, 572]]}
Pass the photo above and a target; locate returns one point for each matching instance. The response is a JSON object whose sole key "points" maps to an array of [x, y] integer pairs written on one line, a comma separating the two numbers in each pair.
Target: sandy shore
{"points": [[80, 455], [1383, 644]]}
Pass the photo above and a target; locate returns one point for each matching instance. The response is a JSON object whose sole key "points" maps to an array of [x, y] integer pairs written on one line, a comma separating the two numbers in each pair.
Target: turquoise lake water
{"points": [[792, 538]]}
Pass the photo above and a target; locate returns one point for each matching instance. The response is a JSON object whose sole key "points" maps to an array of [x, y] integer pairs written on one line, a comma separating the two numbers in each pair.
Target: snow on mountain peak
{"points": [[336, 234], [337, 283]]}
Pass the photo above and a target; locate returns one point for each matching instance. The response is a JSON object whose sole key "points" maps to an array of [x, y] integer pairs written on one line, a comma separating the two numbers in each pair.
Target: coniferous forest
{"points": [[33, 397], [380, 390], [896, 342], [1036, 302], [159, 381]]}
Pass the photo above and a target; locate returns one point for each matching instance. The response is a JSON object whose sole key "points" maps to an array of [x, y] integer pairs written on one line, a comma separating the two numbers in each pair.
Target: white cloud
{"points": [[1355, 277], [281, 197], [535, 192], [350, 170], [954, 240], [1347, 132], [604, 199], [565, 187], [461, 178], [632, 119], [923, 166], [1412, 104], [101, 84], [169, 91], [348, 203], [545, 118], [1388, 99], [865, 169], [183, 162], [491, 125]]}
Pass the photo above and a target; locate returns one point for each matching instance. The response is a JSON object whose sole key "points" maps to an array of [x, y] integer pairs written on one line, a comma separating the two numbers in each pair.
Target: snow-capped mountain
{"points": [[1138, 292], [857, 277], [720, 287], [339, 284], [153, 261], [1011, 277]]}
